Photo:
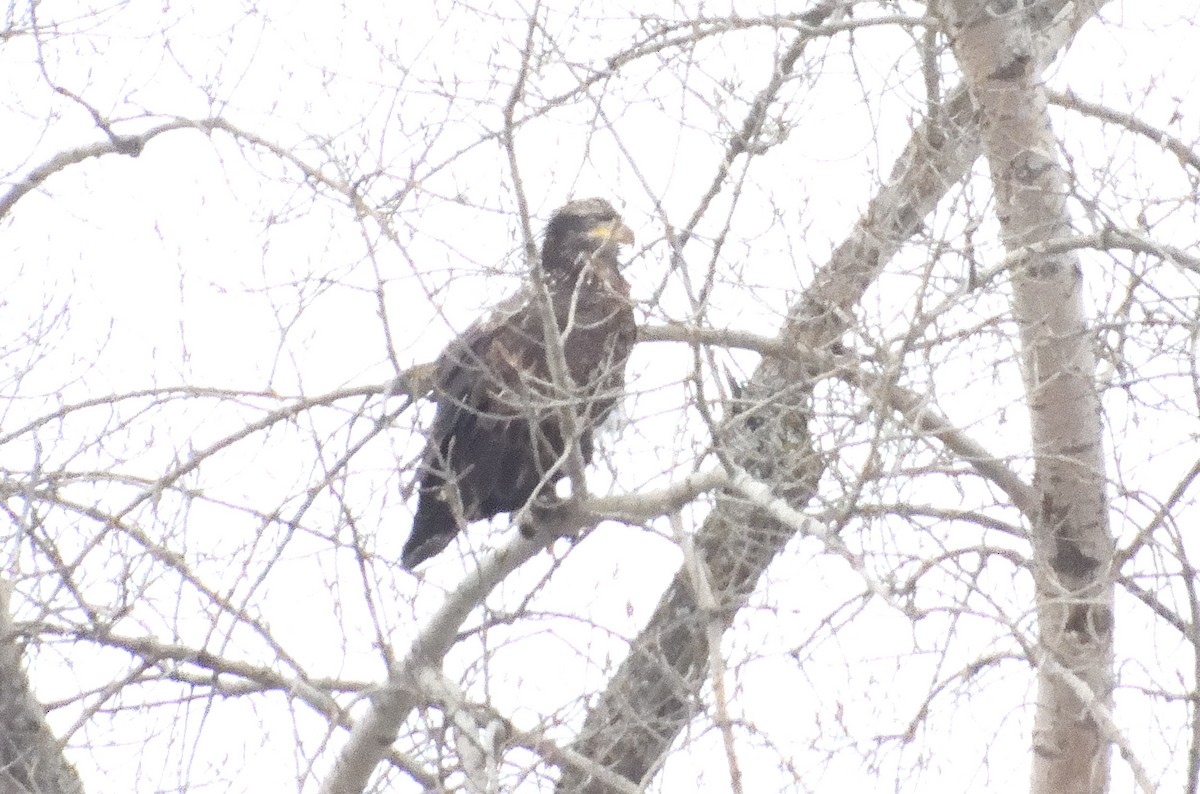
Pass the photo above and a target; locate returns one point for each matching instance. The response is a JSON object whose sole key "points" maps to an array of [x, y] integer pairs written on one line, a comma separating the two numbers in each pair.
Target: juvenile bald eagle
{"points": [[497, 438]]}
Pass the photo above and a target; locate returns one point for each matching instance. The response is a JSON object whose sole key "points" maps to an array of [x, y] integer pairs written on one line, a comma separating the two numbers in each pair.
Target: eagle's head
{"points": [[580, 230]]}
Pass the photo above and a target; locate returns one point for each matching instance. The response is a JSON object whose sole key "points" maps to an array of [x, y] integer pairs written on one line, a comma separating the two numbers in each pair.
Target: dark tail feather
{"points": [[433, 529]]}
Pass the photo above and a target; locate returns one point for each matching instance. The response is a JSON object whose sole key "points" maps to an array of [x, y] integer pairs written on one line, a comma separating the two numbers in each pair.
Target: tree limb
{"points": [[651, 698]]}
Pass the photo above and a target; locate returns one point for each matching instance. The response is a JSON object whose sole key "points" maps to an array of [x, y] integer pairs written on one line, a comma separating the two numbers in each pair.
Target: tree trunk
{"points": [[651, 698], [1072, 544], [31, 760]]}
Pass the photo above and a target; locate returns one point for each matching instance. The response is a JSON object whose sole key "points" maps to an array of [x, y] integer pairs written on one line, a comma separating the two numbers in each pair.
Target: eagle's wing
{"points": [[472, 431]]}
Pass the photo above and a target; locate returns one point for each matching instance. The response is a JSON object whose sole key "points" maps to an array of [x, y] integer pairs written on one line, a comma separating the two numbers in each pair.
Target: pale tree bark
{"points": [[1073, 548], [31, 759], [652, 697]]}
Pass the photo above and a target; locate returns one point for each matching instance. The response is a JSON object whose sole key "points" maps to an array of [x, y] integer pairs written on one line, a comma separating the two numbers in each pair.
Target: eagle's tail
{"points": [[433, 529]]}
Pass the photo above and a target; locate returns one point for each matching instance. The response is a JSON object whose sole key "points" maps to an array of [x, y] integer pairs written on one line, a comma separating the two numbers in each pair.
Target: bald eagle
{"points": [[497, 438]]}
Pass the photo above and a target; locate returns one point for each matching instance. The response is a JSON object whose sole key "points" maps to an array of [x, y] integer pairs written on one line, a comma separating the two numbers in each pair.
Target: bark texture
{"points": [[1073, 548], [31, 760]]}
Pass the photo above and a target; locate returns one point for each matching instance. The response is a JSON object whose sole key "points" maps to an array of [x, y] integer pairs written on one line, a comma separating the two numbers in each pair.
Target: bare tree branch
{"points": [[1181, 149], [375, 731]]}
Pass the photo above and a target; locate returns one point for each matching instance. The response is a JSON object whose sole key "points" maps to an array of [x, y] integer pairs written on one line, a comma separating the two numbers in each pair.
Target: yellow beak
{"points": [[612, 230]]}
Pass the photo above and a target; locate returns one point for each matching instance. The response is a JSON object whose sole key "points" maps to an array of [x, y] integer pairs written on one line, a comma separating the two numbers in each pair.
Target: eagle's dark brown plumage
{"points": [[496, 439]]}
